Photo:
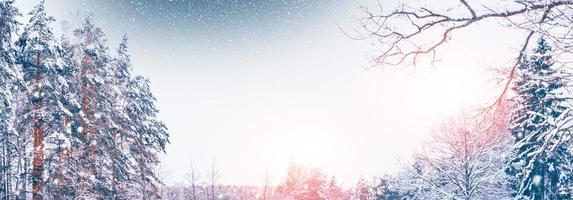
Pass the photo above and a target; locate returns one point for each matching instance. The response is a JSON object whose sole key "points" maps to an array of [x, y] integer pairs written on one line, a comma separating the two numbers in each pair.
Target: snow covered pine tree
{"points": [[74, 123], [41, 67], [122, 175], [149, 136], [96, 107], [541, 163], [118, 114], [9, 82], [140, 135]]}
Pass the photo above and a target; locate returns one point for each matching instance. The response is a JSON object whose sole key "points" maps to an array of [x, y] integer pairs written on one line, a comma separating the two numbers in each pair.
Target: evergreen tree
{"points": [[541, 161], [74, 123], [96, 102], [148, 133], [123, 173], [39, 57], [389, 188], [10, 82], [66, 168]]}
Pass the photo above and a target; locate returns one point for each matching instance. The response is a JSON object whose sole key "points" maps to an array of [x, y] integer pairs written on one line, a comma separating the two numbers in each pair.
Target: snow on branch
{"points": [[398, 29], [407, 34]]}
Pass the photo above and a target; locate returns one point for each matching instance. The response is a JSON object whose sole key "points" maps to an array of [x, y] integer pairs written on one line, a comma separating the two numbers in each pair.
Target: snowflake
{"points": [[536, 180]]}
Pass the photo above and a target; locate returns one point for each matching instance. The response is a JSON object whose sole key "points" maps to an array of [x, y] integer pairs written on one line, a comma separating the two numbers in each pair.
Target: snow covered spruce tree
{"points": [[138, 135], [541, 164], [67, 166], [9, 86], [148, 136], [98, 97], [46, 106], [123, 171]]}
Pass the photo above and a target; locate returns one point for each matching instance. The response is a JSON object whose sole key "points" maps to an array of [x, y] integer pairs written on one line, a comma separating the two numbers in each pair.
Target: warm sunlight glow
{"points": [[314, 149]]}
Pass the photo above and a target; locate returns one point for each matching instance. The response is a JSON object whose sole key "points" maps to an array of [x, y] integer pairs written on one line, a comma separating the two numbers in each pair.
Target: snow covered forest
{"points": [[76, 122], [520, 150]]}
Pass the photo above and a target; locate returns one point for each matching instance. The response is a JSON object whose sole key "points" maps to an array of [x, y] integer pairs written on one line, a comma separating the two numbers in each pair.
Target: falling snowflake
{"points": [[536, 180]]}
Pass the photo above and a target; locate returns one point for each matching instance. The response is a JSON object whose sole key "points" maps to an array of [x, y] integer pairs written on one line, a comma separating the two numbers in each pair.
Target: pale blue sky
{"points": [[258, 95]]}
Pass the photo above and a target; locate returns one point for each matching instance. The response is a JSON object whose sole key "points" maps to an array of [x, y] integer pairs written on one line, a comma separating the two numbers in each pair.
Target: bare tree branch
{"points": [[397, 29], [520, 56], [407, 35], [469, 8]]}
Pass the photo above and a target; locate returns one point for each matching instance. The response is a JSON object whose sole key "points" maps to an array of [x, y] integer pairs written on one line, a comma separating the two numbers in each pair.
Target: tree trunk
{"points": [[86, 107], [38, 158], [113, 169]]}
